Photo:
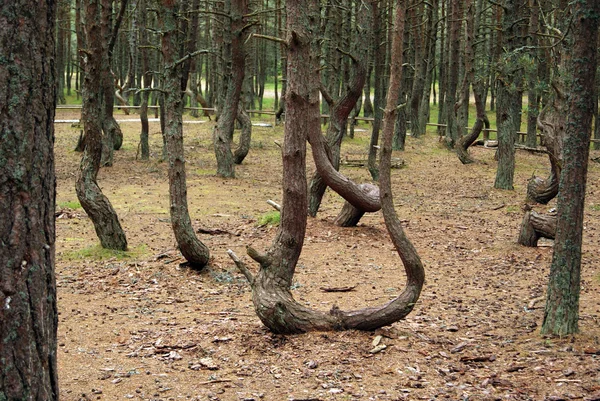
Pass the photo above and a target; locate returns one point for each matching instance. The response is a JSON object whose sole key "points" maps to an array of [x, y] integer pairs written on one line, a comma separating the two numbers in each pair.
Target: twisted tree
{"points": [[273, 301]]}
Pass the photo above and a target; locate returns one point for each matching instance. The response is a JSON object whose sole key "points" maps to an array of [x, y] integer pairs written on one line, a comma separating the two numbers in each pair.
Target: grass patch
{"points": [[595, 208], [69, 205], [270, 218], [96, 252]]}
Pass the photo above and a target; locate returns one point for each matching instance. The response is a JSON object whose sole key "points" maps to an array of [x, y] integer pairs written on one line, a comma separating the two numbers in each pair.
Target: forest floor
{"points": [[136, 325]]}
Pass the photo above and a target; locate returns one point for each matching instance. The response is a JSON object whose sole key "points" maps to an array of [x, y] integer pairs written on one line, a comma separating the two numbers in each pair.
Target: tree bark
{"points": [[146, 79], [340, 110], [96, 205], [535, 226], [234, 59], [508, 107], [175, 77], [271, 294], [28, 312], [245, 137], [561, 314]]}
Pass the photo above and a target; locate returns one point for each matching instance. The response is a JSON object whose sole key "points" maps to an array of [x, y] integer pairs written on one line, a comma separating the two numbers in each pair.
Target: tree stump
{"points": [[536, 226]]}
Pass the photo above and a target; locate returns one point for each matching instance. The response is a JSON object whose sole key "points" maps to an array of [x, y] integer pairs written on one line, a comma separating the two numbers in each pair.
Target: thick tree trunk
{"points": [[535, 226], [192, 249], [561, 314], [28, 312], [271, 293], [508, 107], [234, 58], [452, 129], [96, 205], [552, 123]]}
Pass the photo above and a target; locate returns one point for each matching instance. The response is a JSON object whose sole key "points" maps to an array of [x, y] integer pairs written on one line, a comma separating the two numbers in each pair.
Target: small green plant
{"points": [[512, 209], [69, 205], [595, 208], [96, 252], [271, 218]]}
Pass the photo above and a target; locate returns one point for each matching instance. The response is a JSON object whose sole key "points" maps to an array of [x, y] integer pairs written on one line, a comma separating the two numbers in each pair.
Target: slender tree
{"points": [[94, 202], [562, 298], [28, 313], [174, 30]]}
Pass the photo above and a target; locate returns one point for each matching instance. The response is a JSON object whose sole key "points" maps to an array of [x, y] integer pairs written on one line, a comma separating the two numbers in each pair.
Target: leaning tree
{"points": [[28, 314], [273, 300], [174, 15], [94, 202]]}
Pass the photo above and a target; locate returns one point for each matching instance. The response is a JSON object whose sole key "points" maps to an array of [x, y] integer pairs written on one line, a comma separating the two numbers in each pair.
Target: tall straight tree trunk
{"points": [[146, 81], [96, 205], [28, 312], [452, 128], [508, 107], [561, 314], [379, 53]]}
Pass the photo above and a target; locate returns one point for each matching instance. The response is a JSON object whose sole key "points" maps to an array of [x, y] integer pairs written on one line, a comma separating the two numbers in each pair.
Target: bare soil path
{"points": [[138, 326]]}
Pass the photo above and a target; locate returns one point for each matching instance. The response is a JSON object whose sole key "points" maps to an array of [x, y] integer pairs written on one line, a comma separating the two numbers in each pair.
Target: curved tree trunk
{"points": [[245, 137], [273, 301], [552, 123], [96, 205], [335, 132], [535, 226], [234, 57], [28, 312], [481, 121], [192, 249]]}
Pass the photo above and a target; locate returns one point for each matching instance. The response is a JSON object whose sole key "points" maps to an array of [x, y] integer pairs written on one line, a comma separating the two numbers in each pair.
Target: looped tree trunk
{"points": [[463, 144], [552, 123], [273, 301]]}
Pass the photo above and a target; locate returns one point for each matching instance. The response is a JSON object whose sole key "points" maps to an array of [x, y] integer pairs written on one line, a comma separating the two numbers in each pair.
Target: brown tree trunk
{"points": [[234, 58], [340, 111], [146, 79], [28, 312], [481, 122], [535, 226], [96, 205], [113, 136], [271, 294], [561, 314], [175, 77], [245, 137]]}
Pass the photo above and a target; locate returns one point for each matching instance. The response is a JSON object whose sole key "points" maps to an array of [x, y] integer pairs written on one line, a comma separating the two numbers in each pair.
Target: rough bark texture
{"points": [[379, 52], [535, 226], [96, 205], [552, 124], [508, 107], [192, 249], [481, 121], [28, 314], [234, 58], [113, 136], [340, 110], [452, 129], [561, 314], [245, 137], [147, 81], [271, 294]]}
